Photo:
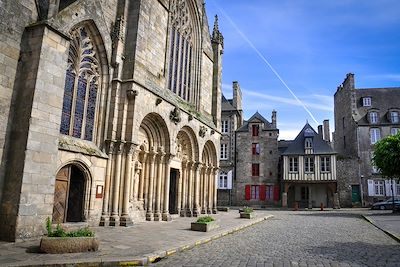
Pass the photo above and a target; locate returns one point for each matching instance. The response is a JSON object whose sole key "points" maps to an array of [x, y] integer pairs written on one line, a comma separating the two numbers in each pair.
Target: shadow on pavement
{"points": [[361, 253]]}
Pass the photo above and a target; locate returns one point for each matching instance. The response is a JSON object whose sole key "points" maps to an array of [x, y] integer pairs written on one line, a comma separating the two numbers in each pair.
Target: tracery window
{"points": [[81, 86], [180, 51]]}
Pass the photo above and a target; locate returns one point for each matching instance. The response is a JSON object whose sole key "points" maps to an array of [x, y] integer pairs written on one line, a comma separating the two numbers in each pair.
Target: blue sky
{"points": [[311, 44]]}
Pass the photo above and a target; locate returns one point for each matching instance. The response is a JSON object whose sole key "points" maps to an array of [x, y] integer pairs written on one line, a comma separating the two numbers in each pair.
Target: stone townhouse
{"points": [[256, 177], [309, 170], [231, 119], [362, 117], [110, 112]]}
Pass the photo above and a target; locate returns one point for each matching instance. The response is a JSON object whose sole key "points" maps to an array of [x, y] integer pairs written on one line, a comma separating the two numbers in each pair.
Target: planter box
{"points": [[223, 208], [204, 227], [247, 215], [59, 245]]}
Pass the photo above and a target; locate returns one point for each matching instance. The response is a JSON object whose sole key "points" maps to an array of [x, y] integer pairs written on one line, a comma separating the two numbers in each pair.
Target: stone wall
{"points": [[347, 175]]}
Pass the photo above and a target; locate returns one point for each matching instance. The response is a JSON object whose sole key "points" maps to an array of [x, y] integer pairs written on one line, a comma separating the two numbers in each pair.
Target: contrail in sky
{"points": [[264, 59]]}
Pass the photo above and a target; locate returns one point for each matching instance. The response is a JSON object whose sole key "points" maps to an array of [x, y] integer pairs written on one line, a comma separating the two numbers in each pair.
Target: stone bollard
{"points": [[296, 206], [322, 206]]}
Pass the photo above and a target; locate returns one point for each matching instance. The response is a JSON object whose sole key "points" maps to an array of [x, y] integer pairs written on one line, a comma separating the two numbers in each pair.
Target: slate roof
{"points": [[382, 100], [259, 117], [226, 104], [320, 146]]}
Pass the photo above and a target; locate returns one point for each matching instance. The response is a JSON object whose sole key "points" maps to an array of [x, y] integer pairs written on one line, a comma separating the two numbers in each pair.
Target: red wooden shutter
{"points": [[262, 192], [247, 192], [276, 192]]}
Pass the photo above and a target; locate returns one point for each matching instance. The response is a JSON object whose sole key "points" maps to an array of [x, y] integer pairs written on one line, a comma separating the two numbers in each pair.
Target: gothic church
{"points": [[110, 112]]}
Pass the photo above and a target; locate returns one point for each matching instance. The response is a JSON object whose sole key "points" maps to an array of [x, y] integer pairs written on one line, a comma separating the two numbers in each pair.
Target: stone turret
{"points": [[217, 41]]}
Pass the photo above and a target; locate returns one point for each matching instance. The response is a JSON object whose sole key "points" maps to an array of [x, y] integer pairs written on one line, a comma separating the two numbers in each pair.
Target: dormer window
{"points": [[394, 116], [366, 101], [373, 117], [308, 143]]}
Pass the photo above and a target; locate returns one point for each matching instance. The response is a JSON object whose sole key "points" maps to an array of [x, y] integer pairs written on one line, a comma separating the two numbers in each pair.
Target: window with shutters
{"points": [[293, 164], [379, 188], [255, 169], [81, 86], [255, 148], [255, 192], [223, 180], [255, 130]]}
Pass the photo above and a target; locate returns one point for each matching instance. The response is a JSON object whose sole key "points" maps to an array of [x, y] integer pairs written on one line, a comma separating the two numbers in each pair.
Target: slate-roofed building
{"points": [[309, 171], [363, 116], [231, 119], [256, 177]]}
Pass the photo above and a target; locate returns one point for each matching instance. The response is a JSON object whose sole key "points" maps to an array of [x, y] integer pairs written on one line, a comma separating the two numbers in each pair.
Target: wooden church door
{"points": [[61, 195]]}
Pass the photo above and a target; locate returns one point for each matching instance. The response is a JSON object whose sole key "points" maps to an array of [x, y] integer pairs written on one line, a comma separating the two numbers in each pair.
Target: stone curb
{"points": [[392, 235], [148, 258]]}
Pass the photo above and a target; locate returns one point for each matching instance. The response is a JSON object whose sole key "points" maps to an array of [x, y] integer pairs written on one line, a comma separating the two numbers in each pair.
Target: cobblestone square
{"points": [[304, 238]]}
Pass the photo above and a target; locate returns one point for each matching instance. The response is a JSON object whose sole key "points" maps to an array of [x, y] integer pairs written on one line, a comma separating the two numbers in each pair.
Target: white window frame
{"points": [[223, 180], [308, 143], [375, 135], [325, 164], [224, 151], [308, 164], [255, 192], [379, 188], [394, 116], [293, 164], [225, 126], [367, 101], [373, 117], [394, 130]]}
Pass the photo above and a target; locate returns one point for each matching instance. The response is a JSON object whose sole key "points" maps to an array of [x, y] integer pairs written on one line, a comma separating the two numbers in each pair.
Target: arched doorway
{"points": [[69, 195]]}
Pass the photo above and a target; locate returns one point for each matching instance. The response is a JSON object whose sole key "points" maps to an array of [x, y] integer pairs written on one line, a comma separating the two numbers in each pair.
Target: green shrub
{"points": [[60, 232], [205, 219], [247, 210]]}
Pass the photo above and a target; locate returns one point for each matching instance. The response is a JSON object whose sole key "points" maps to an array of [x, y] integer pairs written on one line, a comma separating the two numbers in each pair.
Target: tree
{"points": [[387, 158]]}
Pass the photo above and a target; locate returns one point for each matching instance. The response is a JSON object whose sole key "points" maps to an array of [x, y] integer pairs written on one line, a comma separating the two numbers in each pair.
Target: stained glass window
{"points": [[81, 86], [180, 51]]}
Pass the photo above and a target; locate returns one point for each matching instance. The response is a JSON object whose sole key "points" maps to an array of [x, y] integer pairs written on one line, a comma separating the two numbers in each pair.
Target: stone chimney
{"points": [[320, 132], [237, 96], [273, 119], [327, 133]]}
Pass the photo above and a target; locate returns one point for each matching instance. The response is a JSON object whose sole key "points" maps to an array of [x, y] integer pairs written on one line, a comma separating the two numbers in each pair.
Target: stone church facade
{"points": [[110, 112]]}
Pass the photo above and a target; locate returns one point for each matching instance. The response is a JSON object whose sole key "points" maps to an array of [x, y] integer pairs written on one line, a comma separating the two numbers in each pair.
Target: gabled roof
{"points": [[319, 145], [257, 117]]}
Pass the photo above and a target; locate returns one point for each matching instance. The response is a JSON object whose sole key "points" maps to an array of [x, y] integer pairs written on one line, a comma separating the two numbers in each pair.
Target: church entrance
{"points": [[69, 195], [173, 186]]}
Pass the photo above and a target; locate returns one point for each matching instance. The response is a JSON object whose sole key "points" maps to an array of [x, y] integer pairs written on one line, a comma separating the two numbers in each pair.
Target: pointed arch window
{"points": [[81, 87], [180, 51]]}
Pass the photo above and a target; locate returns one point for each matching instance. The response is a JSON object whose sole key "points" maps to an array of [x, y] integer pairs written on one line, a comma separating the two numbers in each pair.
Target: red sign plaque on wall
{"points": [[99, 191]]}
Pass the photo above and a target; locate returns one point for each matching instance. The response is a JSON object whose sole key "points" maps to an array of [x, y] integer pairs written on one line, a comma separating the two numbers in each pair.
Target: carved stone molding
{"points": [[117, 32], [202, 131], [175, 115], [131, 94]]}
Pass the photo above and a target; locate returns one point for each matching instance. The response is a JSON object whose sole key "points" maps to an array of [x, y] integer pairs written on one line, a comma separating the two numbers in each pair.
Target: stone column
{"points": [[125, 219], [183, 184], [210, 190], [149, 213], [197, 173], [114, 219], [204, 191], [138, 171], [179, 201], [142, 179], [214, 192], [284, 199], [165, 215], [157, 211], [189, 210], [105, 216]]}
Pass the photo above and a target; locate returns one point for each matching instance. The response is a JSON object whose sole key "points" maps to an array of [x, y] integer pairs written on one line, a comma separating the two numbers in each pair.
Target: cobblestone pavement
{"points": [[304, 238]]}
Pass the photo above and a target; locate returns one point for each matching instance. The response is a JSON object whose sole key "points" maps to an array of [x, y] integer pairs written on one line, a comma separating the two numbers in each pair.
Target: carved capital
{"points": [[109, 146], [119, 147], [130, 147]]}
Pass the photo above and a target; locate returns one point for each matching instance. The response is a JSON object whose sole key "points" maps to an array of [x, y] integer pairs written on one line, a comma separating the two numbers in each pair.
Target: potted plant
{"points": [[60, 241], [204, 224], [247, 213]]}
